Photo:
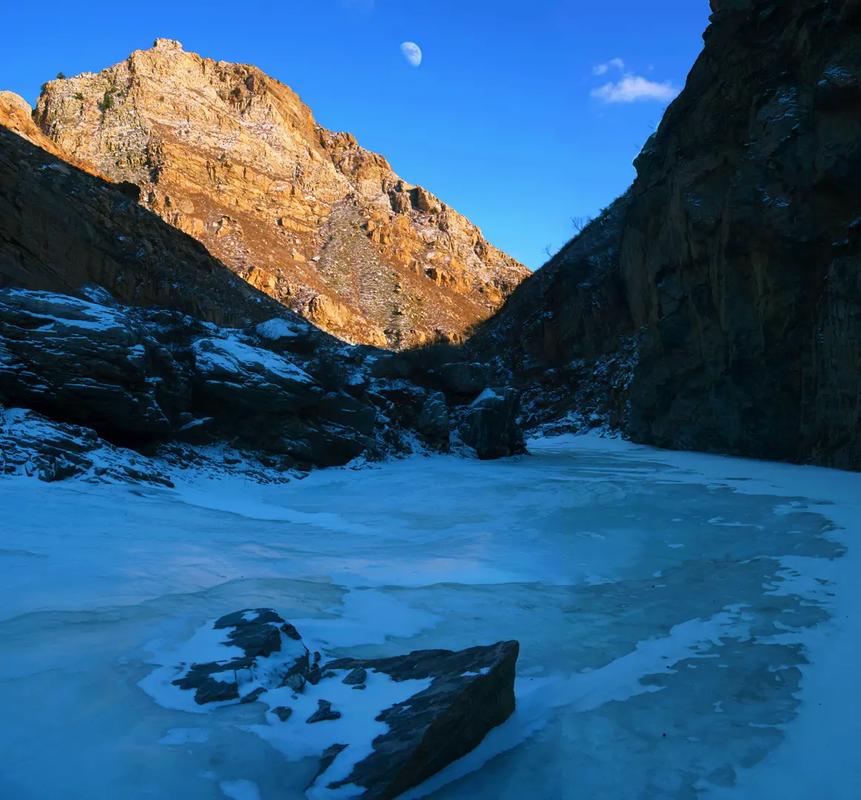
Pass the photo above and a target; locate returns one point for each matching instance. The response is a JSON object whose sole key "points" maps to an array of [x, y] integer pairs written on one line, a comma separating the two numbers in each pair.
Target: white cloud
{"points": [[634, 88], [613, 63]]}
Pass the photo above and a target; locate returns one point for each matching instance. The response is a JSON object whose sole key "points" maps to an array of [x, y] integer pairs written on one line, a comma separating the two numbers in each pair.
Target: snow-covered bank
{"points": [[666, 603]]}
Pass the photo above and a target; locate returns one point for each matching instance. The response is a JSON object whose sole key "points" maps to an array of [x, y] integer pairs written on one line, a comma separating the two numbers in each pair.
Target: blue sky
{"points": [[506, 118]]}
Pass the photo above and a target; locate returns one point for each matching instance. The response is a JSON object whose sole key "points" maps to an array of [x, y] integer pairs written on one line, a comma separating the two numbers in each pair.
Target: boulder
{"points": [[464, 377], [344, 410], [84, 362], [33, 445], [308, 441], [229, 371], [434, 705], [489, 424], [471, 691], [146, 377], [433, 420], [251, 638], [324, 713]]}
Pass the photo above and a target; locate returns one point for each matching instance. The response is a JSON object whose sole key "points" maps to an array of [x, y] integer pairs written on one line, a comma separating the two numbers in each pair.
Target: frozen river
{"points": [[690, 626]]}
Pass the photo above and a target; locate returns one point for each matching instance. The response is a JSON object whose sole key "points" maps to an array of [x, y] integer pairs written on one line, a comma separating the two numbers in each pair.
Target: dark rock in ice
{"points": [[324, 712], [472, 691], [258, 633], [314, 674], [208, 689], [489, 424], [356, 676], [329, 755], [291, 631], [252, 696], [244, 619], [259, 636], [295, 681], [461, 695]]}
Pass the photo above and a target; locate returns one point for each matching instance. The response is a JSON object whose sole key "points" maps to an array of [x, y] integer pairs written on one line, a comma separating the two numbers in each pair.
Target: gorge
{"points": [[309, 490]]}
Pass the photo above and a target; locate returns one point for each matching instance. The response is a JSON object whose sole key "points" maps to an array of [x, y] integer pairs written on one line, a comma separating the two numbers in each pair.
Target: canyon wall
{"points": [[717, 305]]}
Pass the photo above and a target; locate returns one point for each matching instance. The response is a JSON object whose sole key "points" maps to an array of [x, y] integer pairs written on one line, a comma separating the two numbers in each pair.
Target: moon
{"points": [[412, 53]]}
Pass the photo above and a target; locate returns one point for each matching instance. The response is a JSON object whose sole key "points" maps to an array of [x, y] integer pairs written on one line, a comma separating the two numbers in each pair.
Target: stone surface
{"points": [[62, 230], [356, 676], [463, 377], [717, 305], [32, 445], [258, 634], [323, 713], [113, 320], [489, 424], [433, 421], [16, 114], [452, 700], [233, 157], [140, 378], [471, 691]]}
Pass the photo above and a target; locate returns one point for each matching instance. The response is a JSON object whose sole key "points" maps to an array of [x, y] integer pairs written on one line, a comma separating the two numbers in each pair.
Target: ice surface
{"points": [[721, 668], [239, 790], [179, 736]]}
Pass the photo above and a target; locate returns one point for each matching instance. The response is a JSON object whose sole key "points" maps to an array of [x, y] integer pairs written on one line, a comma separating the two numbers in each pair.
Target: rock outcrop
{"points": [[37, 447], [232, 157], [490, 426], [415, 715], [143, 377], [62, 229], [119, 331], [17, 115], [717, 305]]}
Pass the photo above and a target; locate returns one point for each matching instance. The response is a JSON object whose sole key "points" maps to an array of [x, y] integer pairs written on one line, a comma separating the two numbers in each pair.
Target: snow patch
{"points": [[234, 357], [280, 328]]}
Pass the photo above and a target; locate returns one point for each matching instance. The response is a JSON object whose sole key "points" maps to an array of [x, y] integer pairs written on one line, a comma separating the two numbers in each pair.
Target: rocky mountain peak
{"points": [[167, 44], [16, 115], [233, 157]]}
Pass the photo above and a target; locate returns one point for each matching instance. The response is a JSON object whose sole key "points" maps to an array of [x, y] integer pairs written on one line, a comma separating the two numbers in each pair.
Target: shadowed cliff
{"points": [[717, 305]]}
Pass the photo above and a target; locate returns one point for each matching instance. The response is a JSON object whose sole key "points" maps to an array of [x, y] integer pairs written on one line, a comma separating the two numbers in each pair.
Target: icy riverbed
{"points": [[690, 625]]}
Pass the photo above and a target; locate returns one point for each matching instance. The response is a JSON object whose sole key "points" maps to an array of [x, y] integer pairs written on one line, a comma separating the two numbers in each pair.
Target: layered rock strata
{"points": [[233, 157]]}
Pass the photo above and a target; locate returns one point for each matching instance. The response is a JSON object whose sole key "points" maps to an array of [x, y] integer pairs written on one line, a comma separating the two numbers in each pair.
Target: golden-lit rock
{"points": [[233, 157]]}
